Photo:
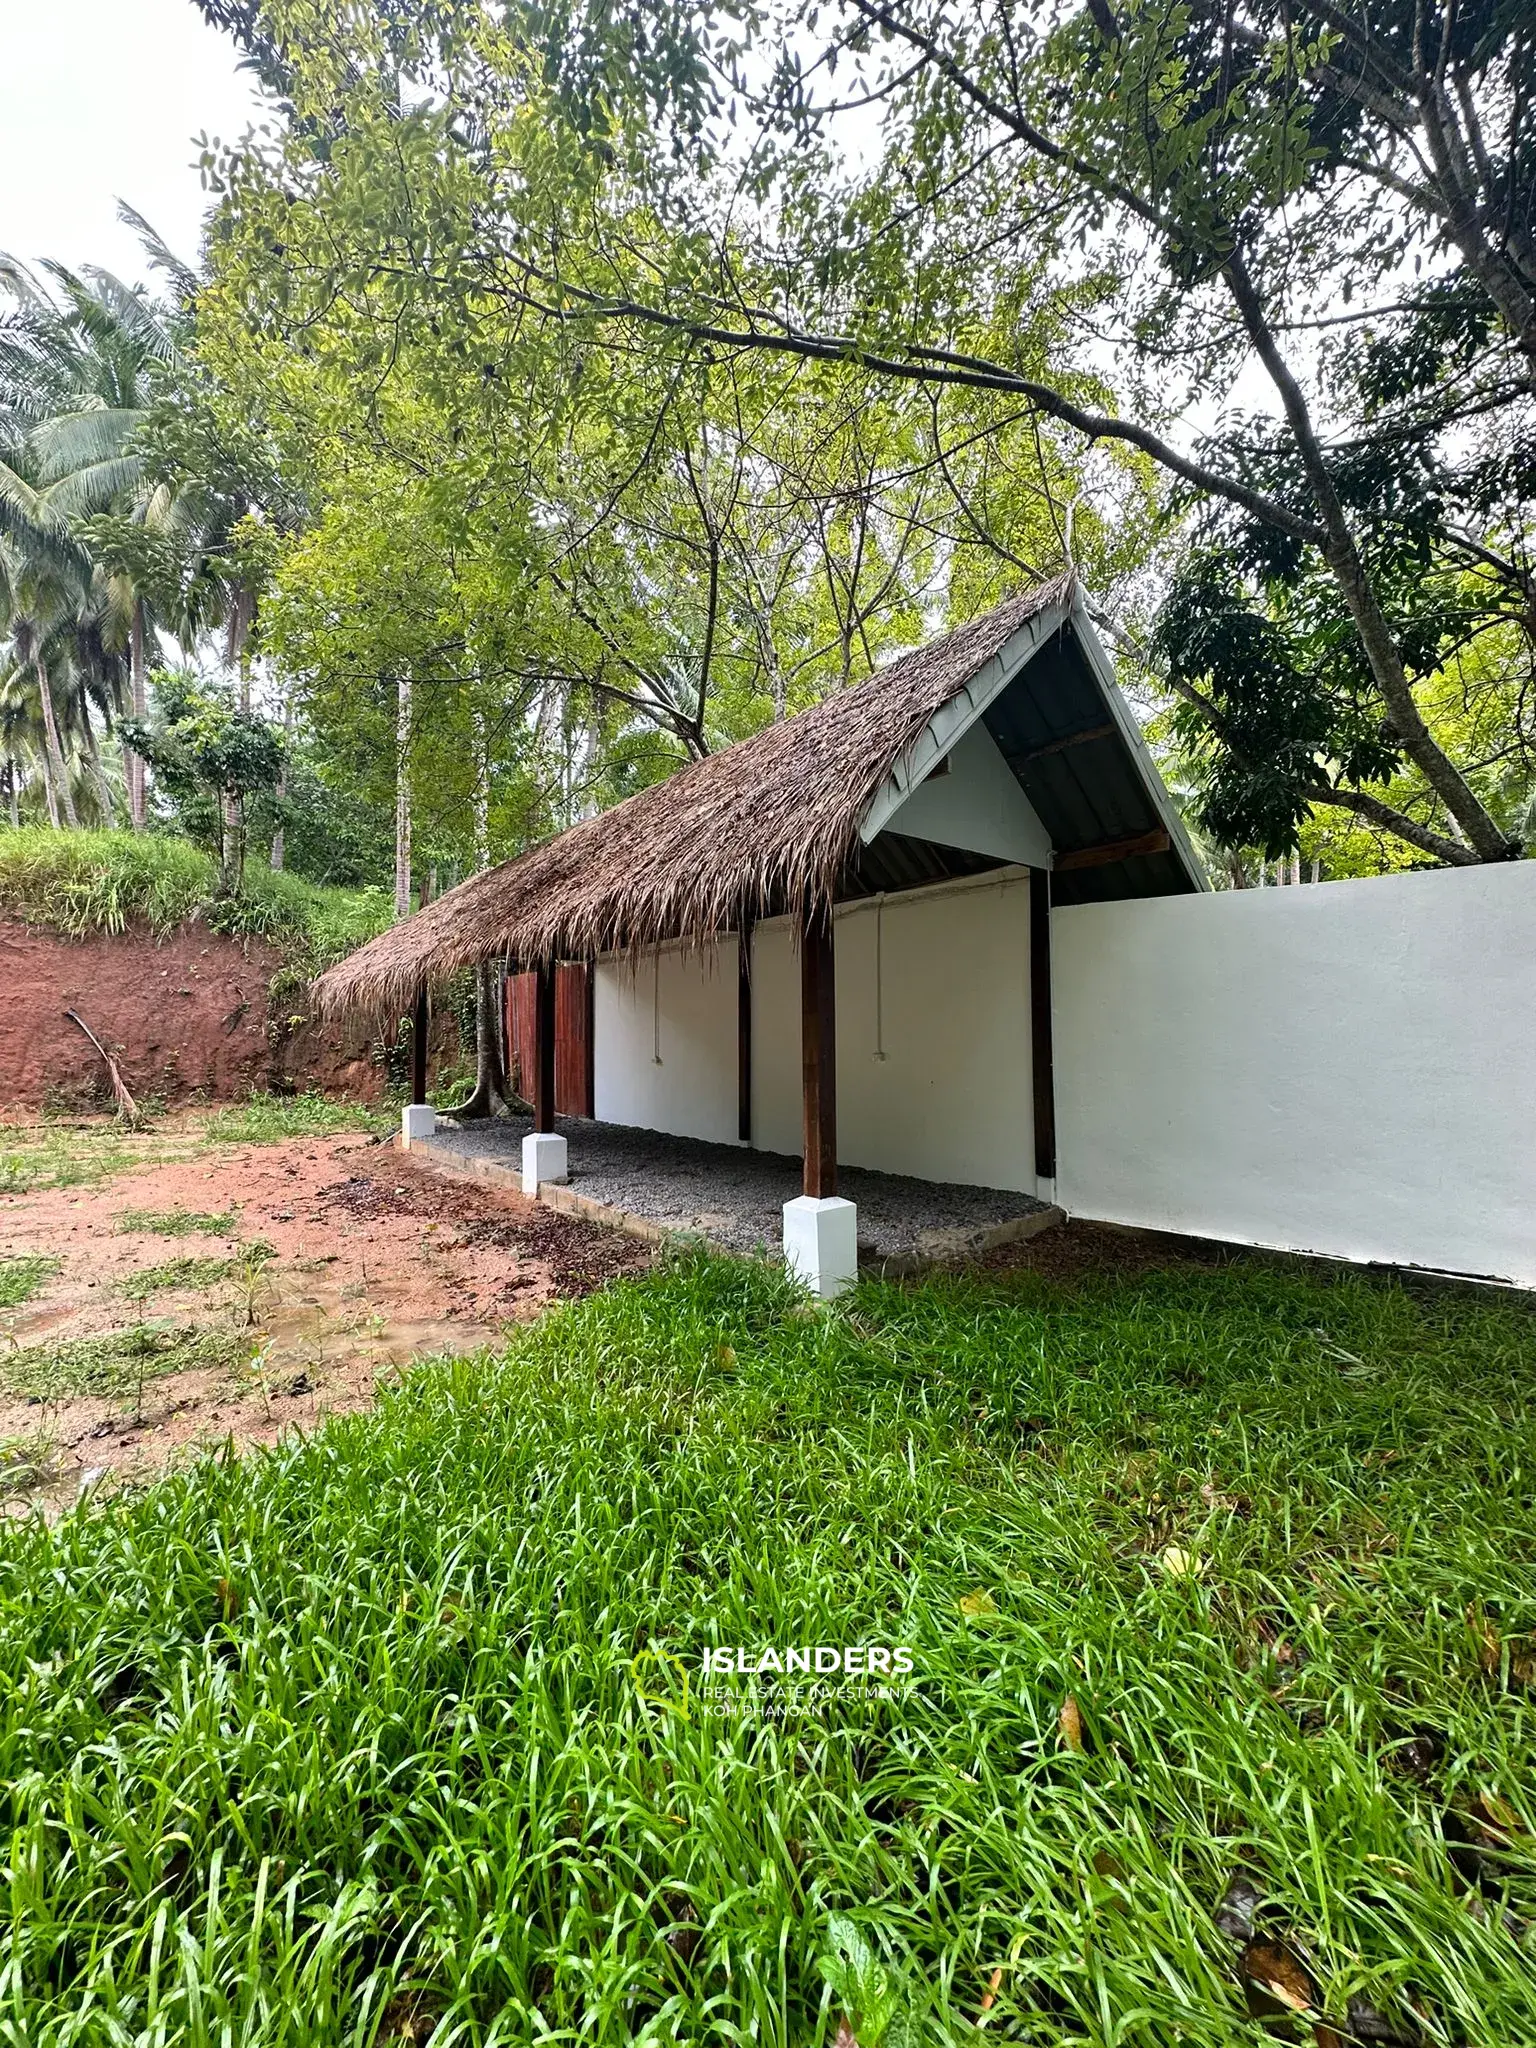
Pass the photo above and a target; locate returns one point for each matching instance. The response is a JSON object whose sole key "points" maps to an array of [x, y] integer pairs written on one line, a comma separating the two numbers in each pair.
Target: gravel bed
{"points": [[735, 1195]]}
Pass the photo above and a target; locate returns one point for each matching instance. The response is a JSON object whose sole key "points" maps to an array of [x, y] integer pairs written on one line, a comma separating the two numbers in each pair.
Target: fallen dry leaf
{"points": [[978, 1603], [1070, 1722], [229, 1600], [1274, 1972], [1497, 1814], [846, 2037], [989, 1996]]}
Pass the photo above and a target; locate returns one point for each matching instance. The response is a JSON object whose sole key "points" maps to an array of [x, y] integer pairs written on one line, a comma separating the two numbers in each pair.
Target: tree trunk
{"points": [[229, 839], [490, 1091], [237, 817], [50, 789], [403, 800], [278, 849], [54, 751], [94, 770], [241, 618], [1382, 653], [134, 763]]}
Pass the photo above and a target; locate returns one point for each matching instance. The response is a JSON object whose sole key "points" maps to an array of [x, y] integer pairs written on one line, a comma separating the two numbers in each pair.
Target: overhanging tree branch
{"points": [[1394, 821], [916, 364]]}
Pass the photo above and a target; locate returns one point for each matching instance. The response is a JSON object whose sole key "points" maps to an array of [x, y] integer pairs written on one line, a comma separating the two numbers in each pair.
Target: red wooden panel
{"points": [[522, 1032], [573, 1040], [573, 1036]]}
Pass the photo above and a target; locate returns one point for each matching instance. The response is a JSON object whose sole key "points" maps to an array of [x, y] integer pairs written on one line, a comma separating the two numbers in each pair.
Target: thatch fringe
{"points": [[763, 827]]}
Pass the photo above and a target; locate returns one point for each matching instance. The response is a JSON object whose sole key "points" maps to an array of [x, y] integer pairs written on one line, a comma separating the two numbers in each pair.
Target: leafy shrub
{"points": [[265, 1119], [83, 882]]}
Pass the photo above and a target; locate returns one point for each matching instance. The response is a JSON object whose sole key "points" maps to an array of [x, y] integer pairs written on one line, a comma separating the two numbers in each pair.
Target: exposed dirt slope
{"points": [[184, 1015]]}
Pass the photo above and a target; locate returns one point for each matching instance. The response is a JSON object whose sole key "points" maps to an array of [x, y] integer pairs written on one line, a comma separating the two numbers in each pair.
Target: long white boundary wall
{"points": [[933, 1065], [1347, 1069]]}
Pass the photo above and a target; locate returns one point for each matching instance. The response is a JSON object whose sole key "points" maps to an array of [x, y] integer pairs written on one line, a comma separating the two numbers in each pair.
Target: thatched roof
{"points": [[763, 827]]}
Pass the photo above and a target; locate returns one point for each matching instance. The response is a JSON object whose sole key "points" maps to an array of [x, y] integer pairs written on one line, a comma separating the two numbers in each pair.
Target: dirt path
{"points": [[244, 1290]]}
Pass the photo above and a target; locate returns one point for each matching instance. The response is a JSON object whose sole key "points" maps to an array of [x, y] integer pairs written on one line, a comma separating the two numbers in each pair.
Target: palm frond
{"points": [[25, 513], [161, 256], [73, 441], [94, 489], [132, 312]]}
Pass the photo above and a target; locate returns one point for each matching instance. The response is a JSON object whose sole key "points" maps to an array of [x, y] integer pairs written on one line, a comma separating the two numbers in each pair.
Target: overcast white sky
{"points": [[99, 101]]}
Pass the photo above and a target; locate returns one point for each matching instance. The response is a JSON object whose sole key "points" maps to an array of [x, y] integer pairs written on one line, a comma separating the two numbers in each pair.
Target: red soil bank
{"points": [[184, 1015]]}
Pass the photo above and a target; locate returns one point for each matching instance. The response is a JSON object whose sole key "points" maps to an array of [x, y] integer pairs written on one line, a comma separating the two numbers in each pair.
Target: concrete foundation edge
{"points": [[957, 1245]]}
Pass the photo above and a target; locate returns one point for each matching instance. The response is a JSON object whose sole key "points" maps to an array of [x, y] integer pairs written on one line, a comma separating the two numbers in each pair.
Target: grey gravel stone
{"points": [[735, 1195]]}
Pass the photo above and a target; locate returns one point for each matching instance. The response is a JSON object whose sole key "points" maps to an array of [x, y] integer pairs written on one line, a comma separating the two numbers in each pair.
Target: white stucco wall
{"points": [[1347, 1069], [950, 1099], [691, 1088]]}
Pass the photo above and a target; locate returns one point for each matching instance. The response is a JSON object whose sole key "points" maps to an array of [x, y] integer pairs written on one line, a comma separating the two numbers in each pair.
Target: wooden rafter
{"points": [[1068, 739], [1109, 850]]}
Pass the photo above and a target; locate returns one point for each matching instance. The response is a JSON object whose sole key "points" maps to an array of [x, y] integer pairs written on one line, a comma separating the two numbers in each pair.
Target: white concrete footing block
{"points": [[544, 1158], [417, 1120], [821, 1243]]}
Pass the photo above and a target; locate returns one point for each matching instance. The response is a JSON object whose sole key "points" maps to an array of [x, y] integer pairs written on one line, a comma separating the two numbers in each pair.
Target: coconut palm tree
{"points": [[77, 378], [86, 367]]}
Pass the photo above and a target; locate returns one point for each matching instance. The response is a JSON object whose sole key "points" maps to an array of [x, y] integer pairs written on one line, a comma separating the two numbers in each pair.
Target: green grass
{"points": [[384, 1723], [180, 1222], [182, 1273], [265, 1119], [116, 1362], [21, 1278], [77, 1153], [188, 1272], [84, 882], [69, 1155]]}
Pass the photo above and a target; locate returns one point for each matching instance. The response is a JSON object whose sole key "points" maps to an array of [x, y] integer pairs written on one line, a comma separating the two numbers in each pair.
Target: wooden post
{"points": [[744, 1031], [1041, 1057], [589, 1077], [419, 1021], [544, 1047], [818, 1051]]}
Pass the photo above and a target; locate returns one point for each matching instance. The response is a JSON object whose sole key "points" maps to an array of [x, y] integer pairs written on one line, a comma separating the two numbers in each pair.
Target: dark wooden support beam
{"points": [[1111, 850], [420, 1018], [818, 1051], [589, 1078], [744, 1032], [1068, 739], [544, 1047], [1041, 1056]]}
